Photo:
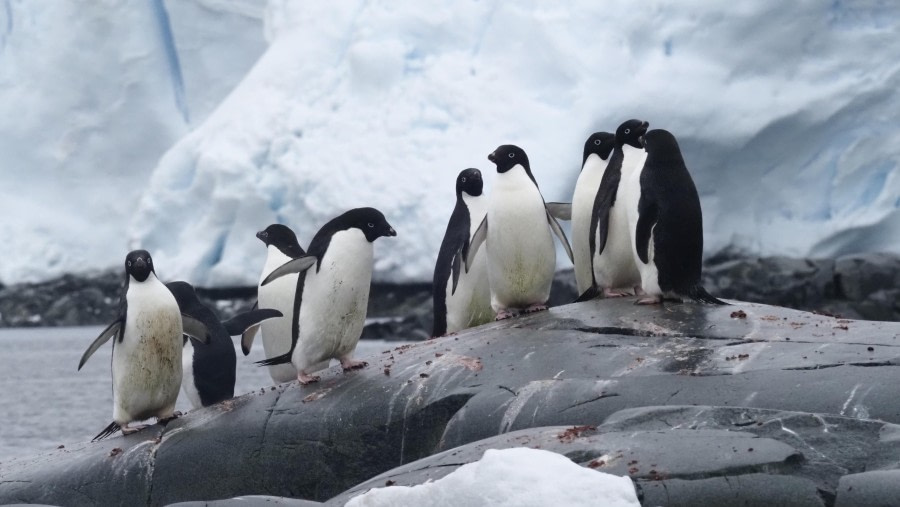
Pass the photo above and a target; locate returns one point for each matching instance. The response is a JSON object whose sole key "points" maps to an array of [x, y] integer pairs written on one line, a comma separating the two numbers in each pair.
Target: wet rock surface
{"points": [[802, 390]]}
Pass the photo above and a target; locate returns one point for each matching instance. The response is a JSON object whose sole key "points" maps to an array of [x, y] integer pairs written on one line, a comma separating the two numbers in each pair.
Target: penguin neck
{"points": [[514, 179], [594, 164], [477, 207], [151, 290], [633, 158], [274, 259]]}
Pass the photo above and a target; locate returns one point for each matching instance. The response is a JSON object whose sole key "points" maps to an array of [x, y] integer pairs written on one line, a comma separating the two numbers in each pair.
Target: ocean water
{"points": [[46, 402]]}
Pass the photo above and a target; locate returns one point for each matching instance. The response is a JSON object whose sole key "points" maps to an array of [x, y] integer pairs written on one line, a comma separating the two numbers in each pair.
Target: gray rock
{"points": [[880, 488], [574, 365]]}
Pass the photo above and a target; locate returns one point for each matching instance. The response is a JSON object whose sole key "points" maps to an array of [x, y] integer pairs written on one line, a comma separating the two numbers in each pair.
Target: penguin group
{"points": [[636, 229]]}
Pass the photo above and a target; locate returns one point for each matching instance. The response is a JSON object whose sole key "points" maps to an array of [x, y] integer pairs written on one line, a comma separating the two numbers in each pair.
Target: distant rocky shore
{"points": [[862, 286]]}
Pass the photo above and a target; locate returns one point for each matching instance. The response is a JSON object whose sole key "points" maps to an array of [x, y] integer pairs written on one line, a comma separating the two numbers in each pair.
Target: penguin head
{"points": [[600, 144], [470, 182], [661, 145], [370, 221], [508, 156], [184, 294], [283, 238], [139, 265], [631, 132]]}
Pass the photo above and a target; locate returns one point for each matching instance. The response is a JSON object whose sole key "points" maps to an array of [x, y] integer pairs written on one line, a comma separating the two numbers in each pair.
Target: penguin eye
{"points": [[371, 224], [129, 264], [627, 131], [149, 260], [463, 179], [597, 142], [512, 155]]}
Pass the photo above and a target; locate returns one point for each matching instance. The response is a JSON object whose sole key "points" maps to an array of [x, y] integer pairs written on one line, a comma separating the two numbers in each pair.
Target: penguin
{"points": [[209, 370], [597, 151], [668, 238], [277, 334], [462, 299], [612, 259], [332, 290], [521, 256], [147, 341]]}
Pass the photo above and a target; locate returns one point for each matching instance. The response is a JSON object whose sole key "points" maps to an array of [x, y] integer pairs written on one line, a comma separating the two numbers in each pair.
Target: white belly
{"points": [[521, 253], [634, 162], [276, 333], [649, 273], [582, 206], [146, 365], [615, 267], [188, 387], [470, 305], [335, 301]]}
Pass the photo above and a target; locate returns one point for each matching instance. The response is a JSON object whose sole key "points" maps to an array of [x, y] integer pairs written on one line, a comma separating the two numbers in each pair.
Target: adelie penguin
{"points": [[209, 369], [668, 240], [462, 299], [612, 258], [332, 292], [147, 343], [518, 232], [277, 334]]}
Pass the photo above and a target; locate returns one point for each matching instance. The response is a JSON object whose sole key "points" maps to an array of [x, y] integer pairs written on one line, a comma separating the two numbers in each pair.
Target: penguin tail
{"points": [[591, 293], [107, 431], [272, 361], [699, 294]]}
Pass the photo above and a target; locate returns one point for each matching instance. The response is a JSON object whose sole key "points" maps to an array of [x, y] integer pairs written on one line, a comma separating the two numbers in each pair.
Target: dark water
{"points": [[45, 402]]}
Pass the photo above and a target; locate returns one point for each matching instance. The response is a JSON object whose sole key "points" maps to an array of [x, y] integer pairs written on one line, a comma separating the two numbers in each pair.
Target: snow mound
{"points": [[516, 477], [786, 114]]}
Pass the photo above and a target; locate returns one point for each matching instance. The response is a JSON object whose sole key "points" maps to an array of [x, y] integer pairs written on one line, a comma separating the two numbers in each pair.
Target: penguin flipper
{"points": [[561, 235], [560, 210], [647, 216], [241, 322], [454, 270], [272, 361], [603, 203], [195, 328], [476, 241], [107, 431], [699, 294], [298, 265], [247, 339], [114, 329], [592, 292]]}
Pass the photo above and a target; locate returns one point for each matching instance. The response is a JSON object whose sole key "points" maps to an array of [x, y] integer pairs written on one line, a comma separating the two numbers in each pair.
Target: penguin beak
{"points": [[259, 235], [492, 157], [139, 263], [391, 231], [644, 127]]}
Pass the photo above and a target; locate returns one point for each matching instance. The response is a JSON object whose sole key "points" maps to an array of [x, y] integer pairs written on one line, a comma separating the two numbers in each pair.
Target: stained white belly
{"points": [[521, 254], [470, 305], [146, 365], [335, 301], [582, 206], [276, 333]]}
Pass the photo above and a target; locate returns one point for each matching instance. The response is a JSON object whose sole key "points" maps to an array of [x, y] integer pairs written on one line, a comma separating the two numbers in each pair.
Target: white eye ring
{"points": [[597, 142], [129, 264], [149, 260], [371, 224], [463, 179], [627, 131], [511, 155]]}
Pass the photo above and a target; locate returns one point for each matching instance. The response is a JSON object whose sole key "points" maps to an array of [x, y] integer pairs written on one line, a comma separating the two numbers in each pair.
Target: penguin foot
{"points": [[349, 364], [536, 308], [304, 378], [639, 291], [655, 300], [128, 430], [506, 314], [609, 293], [166, 420]]}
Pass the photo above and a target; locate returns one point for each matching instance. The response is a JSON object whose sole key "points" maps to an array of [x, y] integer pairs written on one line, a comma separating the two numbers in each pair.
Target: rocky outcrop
{"points": [[807, 386]]}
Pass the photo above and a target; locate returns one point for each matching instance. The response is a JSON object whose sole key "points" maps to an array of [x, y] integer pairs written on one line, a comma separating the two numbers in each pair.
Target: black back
{"points": [[630, 133], [670, 201], [283, 238], [508, 156], [454, 247], [215, 362]]}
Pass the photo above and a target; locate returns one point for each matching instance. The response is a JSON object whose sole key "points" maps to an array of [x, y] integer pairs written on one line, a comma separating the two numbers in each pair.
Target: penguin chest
{"points": [[147, 363], [521, 253], [278, 295], [582, 208], [615, 267], [470, 304], [335, 300]]}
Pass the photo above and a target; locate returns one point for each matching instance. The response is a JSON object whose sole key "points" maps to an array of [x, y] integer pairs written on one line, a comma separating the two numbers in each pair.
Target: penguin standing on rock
{"points": [[277, 334], [209, 369], [332, 292], [521, 256], [462, 299], [147, 342], [668, 240]]}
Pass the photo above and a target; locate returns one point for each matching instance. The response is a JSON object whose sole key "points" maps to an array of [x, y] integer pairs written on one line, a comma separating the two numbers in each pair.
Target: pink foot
{"points": [[305, 378], [166, 420], [349, 364], [609, 293], [506, 314], [536, 308], [128, 430], [638, 291], [649, 301]]}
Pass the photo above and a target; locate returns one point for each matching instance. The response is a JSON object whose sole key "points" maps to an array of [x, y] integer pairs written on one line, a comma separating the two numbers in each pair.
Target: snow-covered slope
{"points": [[515, 477], [787, 115], [91, 95]]}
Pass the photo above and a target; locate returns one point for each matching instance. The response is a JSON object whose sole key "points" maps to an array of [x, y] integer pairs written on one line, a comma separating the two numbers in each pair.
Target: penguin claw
{"points": [[609, 293], [505, 314], [305, 379], [128, 430], [353, 365], [536, 308], [649, 301]]}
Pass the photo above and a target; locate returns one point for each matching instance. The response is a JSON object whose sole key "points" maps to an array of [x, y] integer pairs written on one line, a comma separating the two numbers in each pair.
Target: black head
{"points": [[470, 182], [369, 220], [661, 145], [600, 144], [282, 238], [508, 156], [184, 294], [631, 132], [139, 265]]}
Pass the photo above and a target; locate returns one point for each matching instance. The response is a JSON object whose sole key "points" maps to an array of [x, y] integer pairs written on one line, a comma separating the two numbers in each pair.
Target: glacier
{"points": [[293, 112]]}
